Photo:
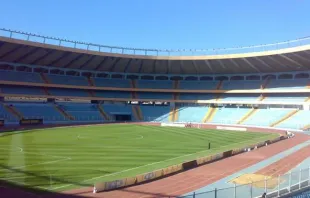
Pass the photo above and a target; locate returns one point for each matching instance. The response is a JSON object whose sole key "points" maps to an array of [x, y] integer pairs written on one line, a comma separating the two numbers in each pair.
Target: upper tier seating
{"points": [[198, 85], [240, 84], [192, 114], [21, 90], [112, 94], [154, 84], [151, 95], [82, 111], [67, 80], [68, 92], [297, 121], [265, 117], [20, 76], [229, 115], [292, 84], [155, 113], [121, 83]]}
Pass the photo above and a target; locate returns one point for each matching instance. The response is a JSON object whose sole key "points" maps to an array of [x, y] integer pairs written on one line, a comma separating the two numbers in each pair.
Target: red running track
{"points": [[286, 164]]}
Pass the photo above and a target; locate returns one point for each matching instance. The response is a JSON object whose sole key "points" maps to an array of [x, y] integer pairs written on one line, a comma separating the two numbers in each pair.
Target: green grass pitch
{"points": [[59, 159]]}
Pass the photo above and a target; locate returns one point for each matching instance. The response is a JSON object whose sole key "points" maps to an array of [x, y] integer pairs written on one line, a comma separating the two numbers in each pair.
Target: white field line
{"points": [[126, 170], [47, 162]]}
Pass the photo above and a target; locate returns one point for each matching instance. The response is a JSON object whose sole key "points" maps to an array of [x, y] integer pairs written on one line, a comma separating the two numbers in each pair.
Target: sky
{"points": [[163, 24]]}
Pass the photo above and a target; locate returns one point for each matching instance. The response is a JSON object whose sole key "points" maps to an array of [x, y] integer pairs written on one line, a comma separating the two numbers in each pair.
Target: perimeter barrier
{"points": [[294, 184], [153, 175]]}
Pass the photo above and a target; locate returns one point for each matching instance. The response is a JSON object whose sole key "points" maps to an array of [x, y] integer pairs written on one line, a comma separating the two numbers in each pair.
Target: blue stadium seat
{"points": [[155, 84], [44, 111], [68, 92], [82, 111], [265, 117], [151, 95], [240, 84], [112, 94], [20, 76], [7, 89], [292, 84], [229, 115], [115, 109], [67, 80], [120, 83], [192, 114], [297, 121], [7, 116], [155, 113], [196, 85]]}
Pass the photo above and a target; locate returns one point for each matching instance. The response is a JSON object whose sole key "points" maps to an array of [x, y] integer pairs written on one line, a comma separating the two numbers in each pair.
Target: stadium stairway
{"points": [[91, 93], [137, 113], [209, 115], [261, 97], [90, 81], [133, 84], [62, 112], [103, 113], [219, 85], [13, 111], [176, 85], [44, 78], [246, 116], [287, 116], [172, 114], [265, 83], [46, 92]]}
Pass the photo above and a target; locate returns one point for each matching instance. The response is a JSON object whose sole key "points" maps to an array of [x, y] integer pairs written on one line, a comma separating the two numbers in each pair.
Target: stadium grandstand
{"points": [[46, 80]]}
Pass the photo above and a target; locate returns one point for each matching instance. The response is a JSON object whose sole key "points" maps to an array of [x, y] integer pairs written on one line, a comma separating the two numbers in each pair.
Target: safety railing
{"points": [[151, 52], [271, 186]]}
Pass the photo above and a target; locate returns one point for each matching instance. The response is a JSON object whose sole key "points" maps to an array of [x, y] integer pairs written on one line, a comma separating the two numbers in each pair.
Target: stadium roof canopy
{"points": [[20, 47]]}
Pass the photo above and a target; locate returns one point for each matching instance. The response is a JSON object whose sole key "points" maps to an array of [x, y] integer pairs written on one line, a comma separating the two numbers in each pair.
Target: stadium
{"points": [[88, 120]]}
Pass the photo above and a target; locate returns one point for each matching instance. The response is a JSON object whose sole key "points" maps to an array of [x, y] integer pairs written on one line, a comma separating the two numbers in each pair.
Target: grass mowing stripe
{"points": [[107, 152]]}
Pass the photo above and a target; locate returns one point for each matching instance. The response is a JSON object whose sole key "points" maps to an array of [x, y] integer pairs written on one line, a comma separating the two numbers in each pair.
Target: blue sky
{"points": [[164, 24]]}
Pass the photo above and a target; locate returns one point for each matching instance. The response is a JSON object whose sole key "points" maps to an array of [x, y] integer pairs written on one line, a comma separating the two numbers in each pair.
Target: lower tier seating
{"points": [[60, 112]]}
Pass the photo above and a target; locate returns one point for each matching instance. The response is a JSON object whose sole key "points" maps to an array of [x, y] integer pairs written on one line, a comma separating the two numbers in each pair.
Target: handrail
{"points": [[150, 52]]}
